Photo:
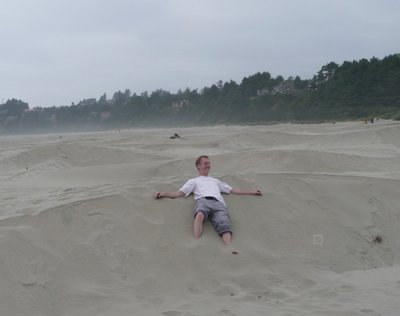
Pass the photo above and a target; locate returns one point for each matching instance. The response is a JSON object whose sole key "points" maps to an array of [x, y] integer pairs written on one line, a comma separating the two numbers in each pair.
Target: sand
{"points": [[81, 234]]}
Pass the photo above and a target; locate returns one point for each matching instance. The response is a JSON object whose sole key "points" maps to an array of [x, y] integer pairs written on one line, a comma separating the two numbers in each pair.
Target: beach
{"points": [[81, 232]]}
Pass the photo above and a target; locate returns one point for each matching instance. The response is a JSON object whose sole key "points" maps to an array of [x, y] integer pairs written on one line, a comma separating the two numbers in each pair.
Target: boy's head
{"points": [[203, 165]]}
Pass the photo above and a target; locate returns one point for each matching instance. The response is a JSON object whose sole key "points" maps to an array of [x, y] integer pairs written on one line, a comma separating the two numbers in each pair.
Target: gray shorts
{"points": [[216, 211]]}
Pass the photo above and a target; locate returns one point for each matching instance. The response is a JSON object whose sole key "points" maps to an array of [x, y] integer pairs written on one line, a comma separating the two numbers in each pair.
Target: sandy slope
{"points": [[80, 233]]}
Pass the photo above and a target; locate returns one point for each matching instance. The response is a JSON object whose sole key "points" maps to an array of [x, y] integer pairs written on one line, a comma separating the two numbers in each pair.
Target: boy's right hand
{"points": [[158, 195]]}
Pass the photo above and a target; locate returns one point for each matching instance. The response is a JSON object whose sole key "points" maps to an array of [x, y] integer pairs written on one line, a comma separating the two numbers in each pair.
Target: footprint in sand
{"points": [[172, 313], [226, 312], [370, 312]]}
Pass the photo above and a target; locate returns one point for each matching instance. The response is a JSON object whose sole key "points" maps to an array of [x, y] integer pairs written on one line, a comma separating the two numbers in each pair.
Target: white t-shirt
{"points": [[206, 186]]}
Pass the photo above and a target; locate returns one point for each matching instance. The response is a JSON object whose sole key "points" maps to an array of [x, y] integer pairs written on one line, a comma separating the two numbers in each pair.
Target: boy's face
{"points": [[204, 166]]}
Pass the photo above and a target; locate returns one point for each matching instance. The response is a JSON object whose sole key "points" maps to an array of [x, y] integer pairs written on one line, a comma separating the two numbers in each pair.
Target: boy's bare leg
{"points": [[198, 225], [227, 238]]}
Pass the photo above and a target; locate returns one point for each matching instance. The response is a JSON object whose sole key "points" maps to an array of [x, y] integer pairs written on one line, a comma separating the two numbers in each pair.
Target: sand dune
{"points": [[80, 232]]}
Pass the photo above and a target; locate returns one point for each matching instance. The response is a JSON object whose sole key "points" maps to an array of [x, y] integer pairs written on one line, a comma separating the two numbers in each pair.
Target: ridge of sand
{"points": [[80, 233]]}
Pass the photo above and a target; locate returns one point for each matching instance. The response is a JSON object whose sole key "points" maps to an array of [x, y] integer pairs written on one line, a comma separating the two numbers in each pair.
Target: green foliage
{"points": [[353, 90]]}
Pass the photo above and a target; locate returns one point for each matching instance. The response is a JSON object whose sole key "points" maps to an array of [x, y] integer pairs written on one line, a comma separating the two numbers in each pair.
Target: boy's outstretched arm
{"points": [[246, 192], [171, 195]]}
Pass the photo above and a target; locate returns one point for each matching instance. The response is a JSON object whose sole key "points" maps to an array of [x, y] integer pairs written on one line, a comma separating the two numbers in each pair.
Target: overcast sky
{"points": [[55, 52]]}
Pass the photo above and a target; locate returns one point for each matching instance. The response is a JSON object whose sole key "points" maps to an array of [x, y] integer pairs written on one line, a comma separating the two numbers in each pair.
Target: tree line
{"points": [[353, 90]]}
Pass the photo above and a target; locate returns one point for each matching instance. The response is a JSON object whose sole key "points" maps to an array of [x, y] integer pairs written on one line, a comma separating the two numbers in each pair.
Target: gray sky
{"points": [[57, 52]]}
